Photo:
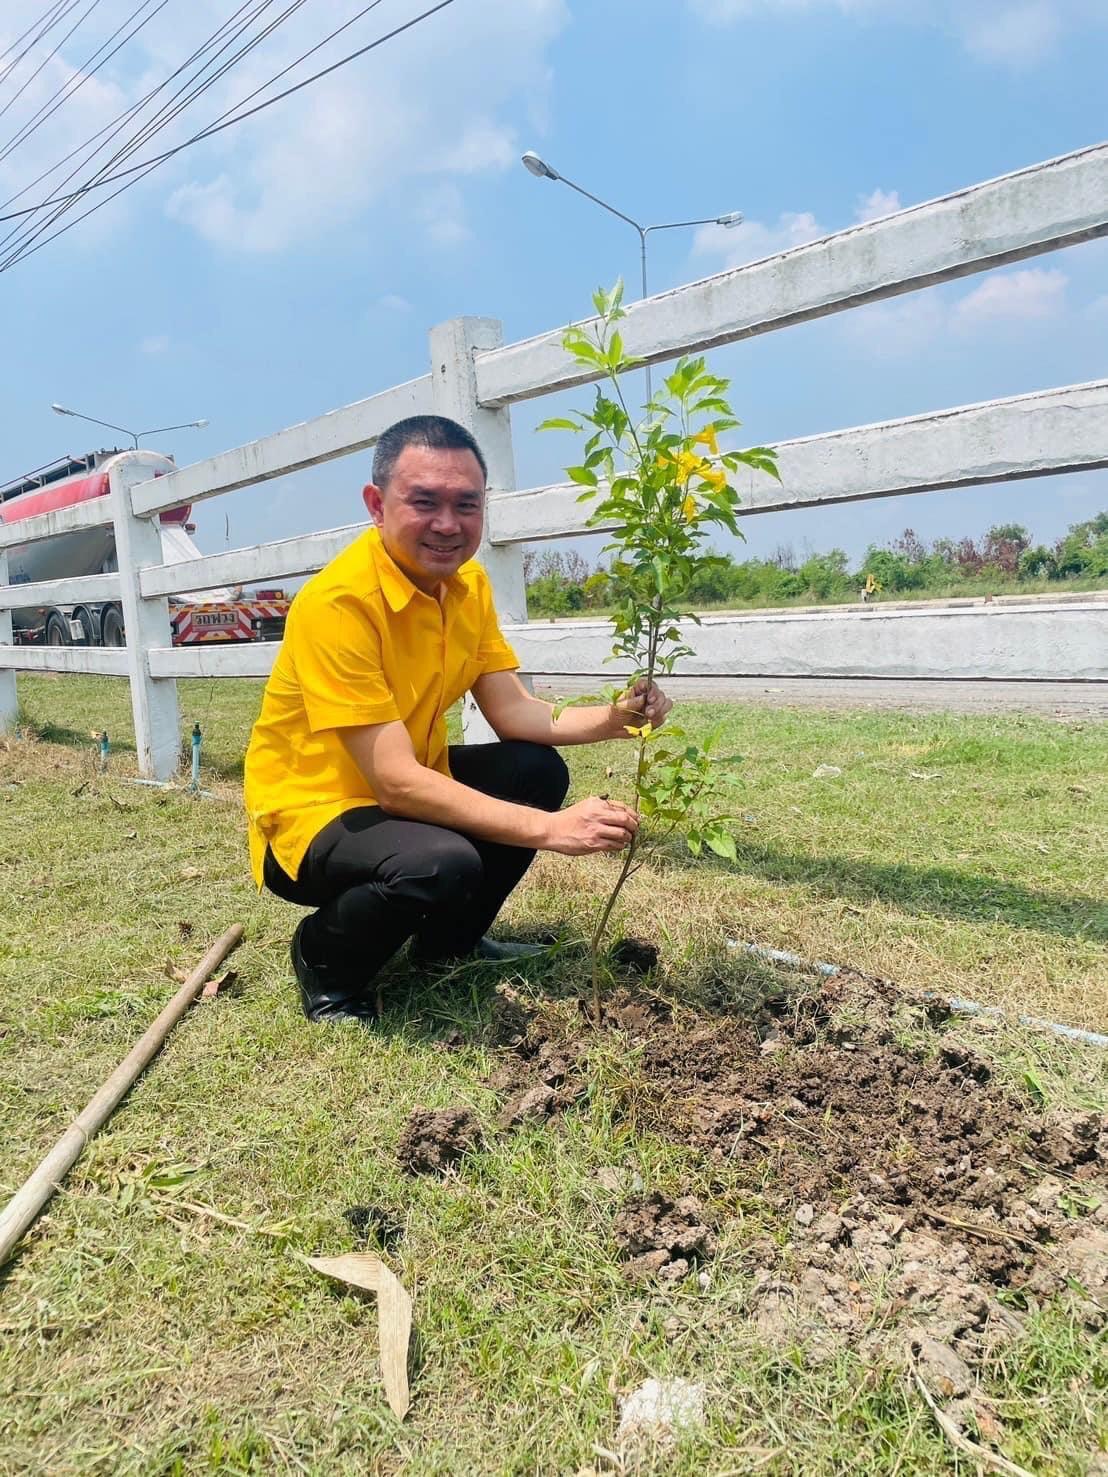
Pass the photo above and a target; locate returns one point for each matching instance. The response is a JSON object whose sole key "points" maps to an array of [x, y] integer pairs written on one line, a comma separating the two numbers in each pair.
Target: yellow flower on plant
{"points": [[715, 478], [688, 464], [707, 438], [689, 508]]}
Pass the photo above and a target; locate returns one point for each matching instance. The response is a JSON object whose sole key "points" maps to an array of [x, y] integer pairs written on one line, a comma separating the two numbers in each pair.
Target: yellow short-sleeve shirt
{"points": [[362, 645]]}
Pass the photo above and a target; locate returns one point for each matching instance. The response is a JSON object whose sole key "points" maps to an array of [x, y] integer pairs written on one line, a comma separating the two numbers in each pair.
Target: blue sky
{"points": [[297, 262]]}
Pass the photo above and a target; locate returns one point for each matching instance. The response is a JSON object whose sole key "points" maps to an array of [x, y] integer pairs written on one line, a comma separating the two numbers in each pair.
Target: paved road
{"points": [[1064, 700]]}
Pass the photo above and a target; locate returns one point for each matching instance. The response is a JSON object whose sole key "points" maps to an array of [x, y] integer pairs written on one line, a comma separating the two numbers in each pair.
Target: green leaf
{"points": [[723, 844], [559, 423], [583, 475]]}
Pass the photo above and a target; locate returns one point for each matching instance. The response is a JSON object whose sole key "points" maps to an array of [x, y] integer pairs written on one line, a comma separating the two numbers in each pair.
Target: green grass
{"points": [[140, 1337], [960, 589]]}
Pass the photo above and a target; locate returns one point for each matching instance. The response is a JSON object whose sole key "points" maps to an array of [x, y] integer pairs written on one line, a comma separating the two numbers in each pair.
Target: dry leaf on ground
{"points": [[214, 985], [394, 1315]]}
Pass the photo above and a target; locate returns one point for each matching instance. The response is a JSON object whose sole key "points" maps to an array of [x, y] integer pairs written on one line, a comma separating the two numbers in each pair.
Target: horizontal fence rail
{"points": [[338, 433], [303, 555], [1010, 643], [101, 661], [93, 514], [1021, 215], [79, 589], [1036, 435]]}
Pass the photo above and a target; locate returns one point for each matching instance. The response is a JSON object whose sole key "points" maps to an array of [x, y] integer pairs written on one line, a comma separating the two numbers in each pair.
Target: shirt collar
{"points": [[396, 587]]}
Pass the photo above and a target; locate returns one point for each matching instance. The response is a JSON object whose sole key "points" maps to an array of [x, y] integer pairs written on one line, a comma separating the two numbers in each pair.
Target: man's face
{"points": [[431, 512]]}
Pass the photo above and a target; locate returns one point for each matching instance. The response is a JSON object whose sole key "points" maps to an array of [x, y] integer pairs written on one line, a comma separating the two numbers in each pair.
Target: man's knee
{"points": [[443, 869], [544, 774]]}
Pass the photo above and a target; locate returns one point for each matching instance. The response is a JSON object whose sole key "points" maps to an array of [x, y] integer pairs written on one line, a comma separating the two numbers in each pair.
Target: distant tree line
{"points": [[1004, 560]]}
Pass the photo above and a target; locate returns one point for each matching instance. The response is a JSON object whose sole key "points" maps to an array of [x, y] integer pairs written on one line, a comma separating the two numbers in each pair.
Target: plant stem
{"points": [[625, 870]]}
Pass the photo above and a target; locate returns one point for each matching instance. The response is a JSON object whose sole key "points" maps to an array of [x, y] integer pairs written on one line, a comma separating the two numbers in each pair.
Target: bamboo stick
{"points": [[28, 1202]]}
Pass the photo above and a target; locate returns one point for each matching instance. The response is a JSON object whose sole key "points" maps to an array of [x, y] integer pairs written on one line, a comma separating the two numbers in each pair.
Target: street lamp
{"points": [[134, 435], [541, 170]]}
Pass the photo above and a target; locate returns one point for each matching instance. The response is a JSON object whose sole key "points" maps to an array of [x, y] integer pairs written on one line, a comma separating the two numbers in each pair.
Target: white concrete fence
{"points": [[475, 378]]}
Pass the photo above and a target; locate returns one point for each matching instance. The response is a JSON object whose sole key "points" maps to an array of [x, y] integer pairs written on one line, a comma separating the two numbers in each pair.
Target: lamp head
{"points": [[732, 218], [538, 167], [60, 409], [200, 424]]}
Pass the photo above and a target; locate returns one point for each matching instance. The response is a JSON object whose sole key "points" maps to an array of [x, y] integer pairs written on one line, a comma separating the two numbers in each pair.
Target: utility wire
{"points": [[54, 5], [151, 164], [120, 119], [159, 120], [66, 91], [46, 23], [48, 58]]}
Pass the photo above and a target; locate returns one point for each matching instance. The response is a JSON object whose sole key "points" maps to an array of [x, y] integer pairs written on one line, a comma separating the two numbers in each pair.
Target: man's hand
{"points": [[643, 703], [591, 825]]}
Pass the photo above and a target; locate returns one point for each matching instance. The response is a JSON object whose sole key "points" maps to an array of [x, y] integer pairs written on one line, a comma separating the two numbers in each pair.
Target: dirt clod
{"points": [[536, 1102], [433, 1140], [662, 1237]]}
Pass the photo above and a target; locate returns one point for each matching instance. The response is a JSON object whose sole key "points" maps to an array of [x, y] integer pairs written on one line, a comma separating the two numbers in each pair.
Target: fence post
{"points": [[138, 545], [9, 701], [454, 393]]}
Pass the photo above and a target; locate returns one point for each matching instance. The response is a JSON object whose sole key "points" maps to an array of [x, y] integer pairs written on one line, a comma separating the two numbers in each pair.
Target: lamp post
{"points": [[541, 170], [134, 435]]}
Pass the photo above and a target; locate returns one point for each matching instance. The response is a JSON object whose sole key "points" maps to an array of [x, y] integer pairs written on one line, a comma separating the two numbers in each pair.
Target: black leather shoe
{"points": [[325, 997], [486, 951]]}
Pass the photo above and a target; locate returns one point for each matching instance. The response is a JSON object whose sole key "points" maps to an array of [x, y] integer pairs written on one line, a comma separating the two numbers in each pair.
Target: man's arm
{"points": [[515, 714], [406, 788]]}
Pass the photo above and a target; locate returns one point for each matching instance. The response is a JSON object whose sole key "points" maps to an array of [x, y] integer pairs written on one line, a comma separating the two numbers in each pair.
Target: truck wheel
{"points": [[111, 628], [87, 625], [57, 632]]}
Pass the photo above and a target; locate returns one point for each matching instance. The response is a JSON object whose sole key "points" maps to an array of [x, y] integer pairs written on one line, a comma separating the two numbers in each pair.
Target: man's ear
{"points": [[374, 500]]}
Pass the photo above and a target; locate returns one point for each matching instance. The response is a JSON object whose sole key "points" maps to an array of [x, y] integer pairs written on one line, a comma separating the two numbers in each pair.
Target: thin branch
{"points": [[992, 1460]]}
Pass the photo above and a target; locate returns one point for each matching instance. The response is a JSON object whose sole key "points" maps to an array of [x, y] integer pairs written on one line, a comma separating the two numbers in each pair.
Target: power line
{"points": [[120, 118], [66, 91], [148, 165], [48, 58], [47, 23], [54, 5], [155, 124]]}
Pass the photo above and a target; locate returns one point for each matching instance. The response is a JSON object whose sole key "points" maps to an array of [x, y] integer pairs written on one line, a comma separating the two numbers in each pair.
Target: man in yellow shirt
{"points": [[357, 807]]}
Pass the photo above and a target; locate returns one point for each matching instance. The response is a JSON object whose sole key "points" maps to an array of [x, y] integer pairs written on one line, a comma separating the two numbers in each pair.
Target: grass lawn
{"points": [[960, 855]]}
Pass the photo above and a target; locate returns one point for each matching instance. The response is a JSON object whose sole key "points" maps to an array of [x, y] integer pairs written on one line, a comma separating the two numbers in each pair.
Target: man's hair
{"points": [[435, 432]]}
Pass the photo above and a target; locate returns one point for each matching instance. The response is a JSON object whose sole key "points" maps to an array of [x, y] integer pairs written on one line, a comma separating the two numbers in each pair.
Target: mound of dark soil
{"points": [[923, 1199], [433, 1140]]}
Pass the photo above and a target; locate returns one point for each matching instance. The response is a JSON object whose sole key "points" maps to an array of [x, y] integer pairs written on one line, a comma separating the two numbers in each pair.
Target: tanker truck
{"points": [[218, 615]]}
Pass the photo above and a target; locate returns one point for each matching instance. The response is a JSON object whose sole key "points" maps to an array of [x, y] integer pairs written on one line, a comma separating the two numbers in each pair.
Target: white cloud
{"points": [[1020, 296], [1001, 302], [442, 210], [393, 302], [901, 328], [156, 343], [370, 133], [1099, 304], [755, 239], [378, 133], [1013, 33], [876, 204]]}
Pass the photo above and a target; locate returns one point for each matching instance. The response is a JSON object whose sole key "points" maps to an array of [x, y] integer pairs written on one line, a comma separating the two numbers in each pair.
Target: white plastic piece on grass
{"points": [[826, 772], [659, 1408]]}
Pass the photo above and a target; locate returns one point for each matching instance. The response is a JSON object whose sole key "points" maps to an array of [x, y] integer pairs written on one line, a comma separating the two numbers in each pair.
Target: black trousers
{"points": [[376, 880]]}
